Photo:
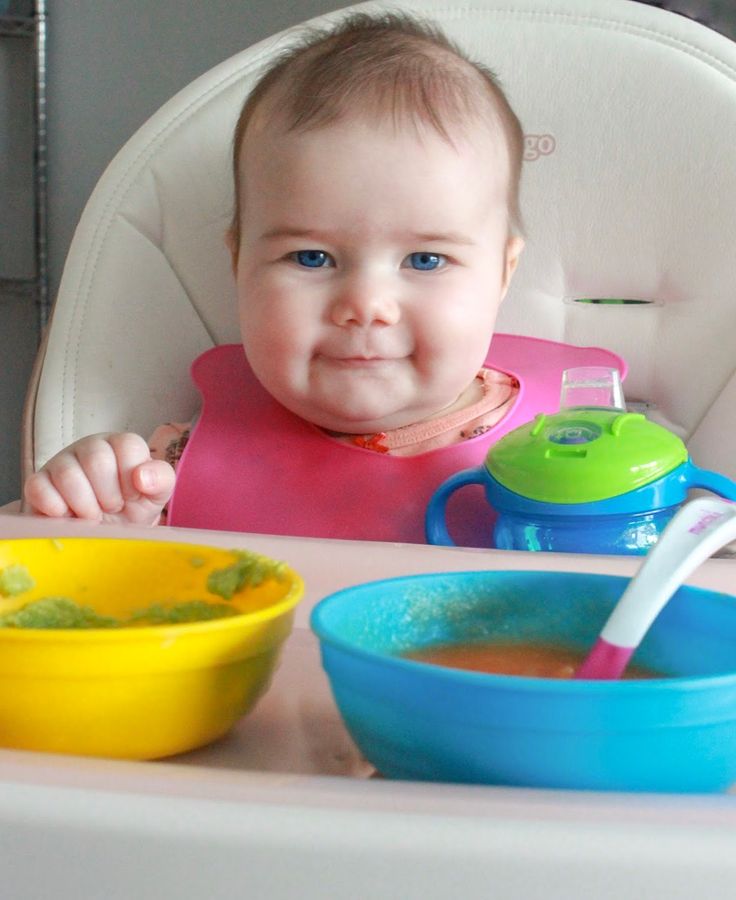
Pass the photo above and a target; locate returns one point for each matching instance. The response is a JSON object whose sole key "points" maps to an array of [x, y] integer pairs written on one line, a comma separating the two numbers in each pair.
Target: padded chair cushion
{"points": [[629, 191]]}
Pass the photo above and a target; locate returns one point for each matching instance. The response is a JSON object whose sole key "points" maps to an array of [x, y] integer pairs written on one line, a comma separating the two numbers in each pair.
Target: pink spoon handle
{"points": [[700, 528], [605, 661]]}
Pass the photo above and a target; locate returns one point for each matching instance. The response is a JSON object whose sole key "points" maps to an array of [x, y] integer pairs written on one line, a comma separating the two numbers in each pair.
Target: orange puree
{"points": [[536, 660]]}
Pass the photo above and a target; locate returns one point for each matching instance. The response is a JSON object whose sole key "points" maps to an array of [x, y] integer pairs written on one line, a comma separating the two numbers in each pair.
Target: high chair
{"points": [[628, 199]]}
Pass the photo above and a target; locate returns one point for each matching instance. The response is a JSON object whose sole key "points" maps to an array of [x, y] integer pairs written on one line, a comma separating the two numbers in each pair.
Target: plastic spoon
{"points": [[697, 531]]}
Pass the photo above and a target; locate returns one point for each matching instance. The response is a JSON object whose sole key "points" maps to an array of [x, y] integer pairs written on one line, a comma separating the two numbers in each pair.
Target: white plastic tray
{"points": [[284, 806]]}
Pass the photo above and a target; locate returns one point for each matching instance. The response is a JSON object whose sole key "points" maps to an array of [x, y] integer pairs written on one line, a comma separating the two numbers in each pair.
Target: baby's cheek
{"points": [[454, 329]]}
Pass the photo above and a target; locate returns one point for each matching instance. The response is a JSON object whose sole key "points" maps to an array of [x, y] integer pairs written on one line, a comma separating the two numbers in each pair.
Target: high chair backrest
{"points": [[628, 193]]}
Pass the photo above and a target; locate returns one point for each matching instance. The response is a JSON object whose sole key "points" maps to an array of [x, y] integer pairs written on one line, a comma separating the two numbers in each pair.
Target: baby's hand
{"points": [[106, 478]]}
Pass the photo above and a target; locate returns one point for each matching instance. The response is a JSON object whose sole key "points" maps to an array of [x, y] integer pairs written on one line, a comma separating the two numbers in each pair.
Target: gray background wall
{"points": [[111, 63]]}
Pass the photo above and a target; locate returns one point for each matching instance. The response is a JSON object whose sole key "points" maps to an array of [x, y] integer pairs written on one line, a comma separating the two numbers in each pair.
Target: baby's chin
{"points": [[355, 421], [341, 425], [377, 408]]}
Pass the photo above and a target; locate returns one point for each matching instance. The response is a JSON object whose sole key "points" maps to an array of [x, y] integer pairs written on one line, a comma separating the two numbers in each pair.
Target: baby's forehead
{"points": [[322, 169], [481, 128]]}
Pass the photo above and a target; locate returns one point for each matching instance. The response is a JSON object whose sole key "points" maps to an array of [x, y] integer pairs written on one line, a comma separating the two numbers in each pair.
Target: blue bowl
{"points": [[414, 720]]}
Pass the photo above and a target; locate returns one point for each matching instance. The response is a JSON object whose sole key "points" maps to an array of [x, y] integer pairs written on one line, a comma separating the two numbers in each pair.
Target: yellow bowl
{"points": [[135, 692]]}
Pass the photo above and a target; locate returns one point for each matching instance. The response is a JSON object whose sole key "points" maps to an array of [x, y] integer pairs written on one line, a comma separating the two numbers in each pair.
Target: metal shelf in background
{"points": [[17, 26], [34, 27], [18, 287], [41, 169]]}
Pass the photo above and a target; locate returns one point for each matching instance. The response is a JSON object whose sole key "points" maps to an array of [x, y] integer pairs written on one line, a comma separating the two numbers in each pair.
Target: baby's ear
{"points": [[514, 246], [231, 242]]}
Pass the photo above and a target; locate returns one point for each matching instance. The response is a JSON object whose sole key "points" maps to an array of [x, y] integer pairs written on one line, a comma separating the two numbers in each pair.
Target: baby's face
{"points": [[371, 266]]}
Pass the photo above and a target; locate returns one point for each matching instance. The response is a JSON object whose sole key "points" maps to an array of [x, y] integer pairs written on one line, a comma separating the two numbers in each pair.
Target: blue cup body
{"points": [[629, 523], [633, 533]]}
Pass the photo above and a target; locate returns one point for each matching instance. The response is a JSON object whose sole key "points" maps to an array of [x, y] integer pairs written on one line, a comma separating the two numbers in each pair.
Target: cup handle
{"points": [[435, 524], [711, 481]]}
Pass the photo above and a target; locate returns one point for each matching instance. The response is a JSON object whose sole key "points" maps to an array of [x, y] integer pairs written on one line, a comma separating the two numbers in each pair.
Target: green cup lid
{"points": [[583, 455]]}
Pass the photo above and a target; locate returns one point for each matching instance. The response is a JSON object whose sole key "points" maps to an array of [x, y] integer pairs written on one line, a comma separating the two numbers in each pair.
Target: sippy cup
{"points": [[591, 478]]}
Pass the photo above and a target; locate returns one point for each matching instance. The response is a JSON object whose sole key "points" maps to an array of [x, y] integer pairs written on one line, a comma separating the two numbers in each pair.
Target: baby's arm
{"points": [[106, 478]]}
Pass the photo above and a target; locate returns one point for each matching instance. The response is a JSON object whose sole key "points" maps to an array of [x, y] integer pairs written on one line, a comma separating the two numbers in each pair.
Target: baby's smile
{"points": [[361, 360]]}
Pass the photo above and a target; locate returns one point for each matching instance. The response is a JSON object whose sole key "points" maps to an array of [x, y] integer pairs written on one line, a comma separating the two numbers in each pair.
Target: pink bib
{"points": [[251, 465]]}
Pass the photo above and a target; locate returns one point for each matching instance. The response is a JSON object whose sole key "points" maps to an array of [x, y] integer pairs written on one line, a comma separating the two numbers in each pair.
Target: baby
{"points": [[375, 232]]}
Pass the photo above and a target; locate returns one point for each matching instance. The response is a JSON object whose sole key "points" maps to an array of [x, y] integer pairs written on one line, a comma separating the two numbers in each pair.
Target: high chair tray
{"points": [[284, 806]]}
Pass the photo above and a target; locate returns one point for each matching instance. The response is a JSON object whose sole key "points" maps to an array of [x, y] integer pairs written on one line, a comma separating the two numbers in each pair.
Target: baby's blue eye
{"points": [[313, 259], [425, 262]]}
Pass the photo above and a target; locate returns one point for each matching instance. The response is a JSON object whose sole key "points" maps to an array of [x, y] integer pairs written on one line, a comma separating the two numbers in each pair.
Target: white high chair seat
{"points": [[629, 191]]}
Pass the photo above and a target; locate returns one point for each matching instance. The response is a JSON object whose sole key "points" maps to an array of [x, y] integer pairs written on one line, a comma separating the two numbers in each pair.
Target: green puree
{"points": [[56, 612], [61, 612], [248, 570], [190, 611], [15, 580]]}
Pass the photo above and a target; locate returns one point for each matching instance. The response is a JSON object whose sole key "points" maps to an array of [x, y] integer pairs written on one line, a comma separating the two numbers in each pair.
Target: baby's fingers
{"points": [[99, 462], [145, 484], [155, 481], [41, 497], [103, 478], [62, 488]]}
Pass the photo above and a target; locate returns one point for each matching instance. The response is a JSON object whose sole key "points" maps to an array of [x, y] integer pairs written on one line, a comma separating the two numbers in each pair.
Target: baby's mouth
{"points": [[368, 362]]}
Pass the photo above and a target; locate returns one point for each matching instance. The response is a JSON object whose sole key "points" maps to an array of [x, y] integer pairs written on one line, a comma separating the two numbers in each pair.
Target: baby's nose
{"points": [[363, 301]]}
